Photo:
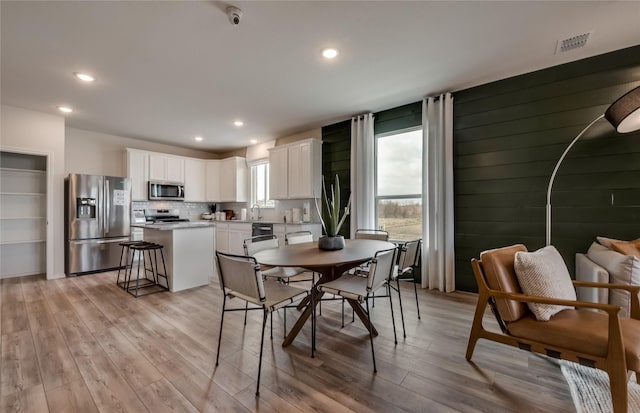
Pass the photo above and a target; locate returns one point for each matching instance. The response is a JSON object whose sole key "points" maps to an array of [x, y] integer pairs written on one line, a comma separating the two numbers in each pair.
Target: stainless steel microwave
{"points": [[166, 191]]}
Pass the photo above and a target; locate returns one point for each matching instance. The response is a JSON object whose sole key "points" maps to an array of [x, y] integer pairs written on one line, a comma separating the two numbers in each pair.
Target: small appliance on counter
{"points": [[160, 216], [306, 212]]}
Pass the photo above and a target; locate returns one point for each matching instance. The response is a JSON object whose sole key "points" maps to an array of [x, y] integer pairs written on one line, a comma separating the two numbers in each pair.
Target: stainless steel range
{"points": [[159, 216]]}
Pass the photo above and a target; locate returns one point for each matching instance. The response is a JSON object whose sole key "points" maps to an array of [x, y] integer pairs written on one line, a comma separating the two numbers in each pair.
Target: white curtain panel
{"points": [[438, 259], [362, 173]]}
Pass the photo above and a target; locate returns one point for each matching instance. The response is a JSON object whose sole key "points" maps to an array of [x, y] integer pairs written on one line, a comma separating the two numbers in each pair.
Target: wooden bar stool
{"points": [[150, 268]]}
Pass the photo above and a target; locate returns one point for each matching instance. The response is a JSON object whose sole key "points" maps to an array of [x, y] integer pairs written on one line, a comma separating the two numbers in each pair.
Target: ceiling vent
{"points": [[572, 43]]}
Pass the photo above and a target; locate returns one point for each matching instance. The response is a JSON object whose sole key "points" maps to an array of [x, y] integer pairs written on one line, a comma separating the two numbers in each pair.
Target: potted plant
{"points": [[330, 217]]}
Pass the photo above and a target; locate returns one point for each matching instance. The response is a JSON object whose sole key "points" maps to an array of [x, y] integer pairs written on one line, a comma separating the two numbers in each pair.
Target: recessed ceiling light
{"points": [[253, 141], [65, 109], [84, 77], [238, 123], [330, 53], [198, 138]]}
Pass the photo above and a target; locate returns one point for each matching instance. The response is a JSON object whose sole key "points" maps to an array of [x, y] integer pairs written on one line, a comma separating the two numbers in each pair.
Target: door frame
{"points": [[49, 195]]}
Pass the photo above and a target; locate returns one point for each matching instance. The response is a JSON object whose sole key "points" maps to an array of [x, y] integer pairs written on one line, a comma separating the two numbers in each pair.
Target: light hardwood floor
{"points": [[83, 345]]}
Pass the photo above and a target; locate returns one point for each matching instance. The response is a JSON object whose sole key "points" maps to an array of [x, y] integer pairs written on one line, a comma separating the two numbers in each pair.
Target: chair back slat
{"points": [[498, 272], [298, 237], [409, 255], [374, 234], [380, 269], [241, 275], [259, 243]]}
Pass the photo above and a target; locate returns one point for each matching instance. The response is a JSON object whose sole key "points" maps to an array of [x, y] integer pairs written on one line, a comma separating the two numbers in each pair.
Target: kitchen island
{"points": [[188, 251]]}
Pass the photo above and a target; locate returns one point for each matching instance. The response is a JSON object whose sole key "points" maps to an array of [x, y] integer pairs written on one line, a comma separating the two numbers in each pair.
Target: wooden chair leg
{"points": [[476, 327], [619, 394]]}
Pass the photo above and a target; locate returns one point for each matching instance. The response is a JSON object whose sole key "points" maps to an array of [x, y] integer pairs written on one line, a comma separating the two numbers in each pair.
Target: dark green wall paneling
{"points": [[336, 159], [403, 117], [509, 134]]}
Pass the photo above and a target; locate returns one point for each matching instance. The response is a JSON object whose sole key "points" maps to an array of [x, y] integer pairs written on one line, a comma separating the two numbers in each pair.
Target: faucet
{"points": [[259, 217]]}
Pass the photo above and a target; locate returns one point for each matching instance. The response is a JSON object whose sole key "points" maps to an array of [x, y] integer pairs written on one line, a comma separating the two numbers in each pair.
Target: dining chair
{"points": [[375, 234], [240, 277], [262, 242], [360, 289], [408, 265]]}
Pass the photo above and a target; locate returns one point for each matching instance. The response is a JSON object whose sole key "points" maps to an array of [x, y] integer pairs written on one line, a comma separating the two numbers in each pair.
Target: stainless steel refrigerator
{"points": [[97, 220]]}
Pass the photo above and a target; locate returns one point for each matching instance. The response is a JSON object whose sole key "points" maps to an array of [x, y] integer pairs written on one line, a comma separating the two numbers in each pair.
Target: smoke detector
{"points": [[572, 43]]}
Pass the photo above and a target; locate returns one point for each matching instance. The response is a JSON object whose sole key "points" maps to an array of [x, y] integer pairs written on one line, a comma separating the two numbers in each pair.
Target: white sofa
{"points": [[601, 264]]}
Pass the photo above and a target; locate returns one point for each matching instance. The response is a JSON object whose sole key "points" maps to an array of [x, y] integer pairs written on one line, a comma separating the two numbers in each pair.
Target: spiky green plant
{"points": [[330, 214]]}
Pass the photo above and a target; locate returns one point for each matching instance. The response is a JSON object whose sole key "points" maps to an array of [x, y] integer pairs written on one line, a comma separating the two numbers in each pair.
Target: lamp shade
{"points": [[624, 113]]}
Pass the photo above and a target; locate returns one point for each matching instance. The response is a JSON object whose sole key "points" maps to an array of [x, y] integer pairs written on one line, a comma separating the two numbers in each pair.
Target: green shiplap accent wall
{"points": [[336, 159], [403, 117], [509, 134]]}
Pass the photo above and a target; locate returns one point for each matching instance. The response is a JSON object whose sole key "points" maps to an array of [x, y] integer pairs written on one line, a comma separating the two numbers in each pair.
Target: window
{"points": [[260, 185], [399, 184]]}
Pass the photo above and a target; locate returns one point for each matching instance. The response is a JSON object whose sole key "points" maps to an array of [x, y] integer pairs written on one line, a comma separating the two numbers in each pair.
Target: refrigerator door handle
{"points": [[107, 215], [113, 240]]}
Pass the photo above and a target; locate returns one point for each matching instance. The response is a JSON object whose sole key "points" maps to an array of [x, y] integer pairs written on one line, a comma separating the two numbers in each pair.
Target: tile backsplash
{"points": [[194, 210]]}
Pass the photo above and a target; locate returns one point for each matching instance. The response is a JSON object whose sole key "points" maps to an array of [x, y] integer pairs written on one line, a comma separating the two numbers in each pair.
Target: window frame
{"points": [[377, 198], [269, 203]]}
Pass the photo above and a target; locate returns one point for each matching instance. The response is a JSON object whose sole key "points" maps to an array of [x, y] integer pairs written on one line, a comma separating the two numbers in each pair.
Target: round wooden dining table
{"points": [[329, 264]]}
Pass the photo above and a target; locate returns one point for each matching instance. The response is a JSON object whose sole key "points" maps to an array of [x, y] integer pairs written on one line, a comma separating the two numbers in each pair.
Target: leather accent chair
{"points": [[599, 339]]}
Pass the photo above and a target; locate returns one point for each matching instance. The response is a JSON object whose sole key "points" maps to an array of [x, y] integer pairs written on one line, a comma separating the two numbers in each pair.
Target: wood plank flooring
{"points": [[84, 345]]}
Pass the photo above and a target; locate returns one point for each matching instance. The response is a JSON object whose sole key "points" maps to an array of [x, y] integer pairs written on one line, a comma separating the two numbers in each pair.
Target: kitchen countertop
{"points": [[262, 222], [169, 226]]}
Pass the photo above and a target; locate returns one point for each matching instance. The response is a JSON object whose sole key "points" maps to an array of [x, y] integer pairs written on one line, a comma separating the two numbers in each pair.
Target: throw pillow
{"points": [[544, 273], [627, 247], [622, 269], [606, 242]]}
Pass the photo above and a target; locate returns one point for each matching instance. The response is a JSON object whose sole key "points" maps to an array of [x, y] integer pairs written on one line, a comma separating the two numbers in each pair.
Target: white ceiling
{"points": [[167, 71]]}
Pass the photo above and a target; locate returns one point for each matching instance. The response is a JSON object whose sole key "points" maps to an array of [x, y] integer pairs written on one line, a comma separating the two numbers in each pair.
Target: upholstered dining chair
{"points": [[599, 339], [359, 288], [263, 242], [240, 277], [375, 234], [405, 270]]}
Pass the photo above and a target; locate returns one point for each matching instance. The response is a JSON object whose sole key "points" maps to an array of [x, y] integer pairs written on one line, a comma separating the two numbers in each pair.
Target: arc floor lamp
{"points": [[623, 114]]}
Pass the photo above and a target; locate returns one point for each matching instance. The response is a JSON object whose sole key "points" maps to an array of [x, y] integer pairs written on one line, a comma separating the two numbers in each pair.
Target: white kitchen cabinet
{"points": [[238, 232], [212, 180], [230, 236], [296, 167], [194, 180], [166, 168], [138, 170], [279, 172], [23, 223], [233, 180], [222, 237]]}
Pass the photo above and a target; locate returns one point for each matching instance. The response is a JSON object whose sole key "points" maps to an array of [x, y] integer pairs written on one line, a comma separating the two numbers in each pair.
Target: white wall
{"points": [[97, 153], [41, 133]]}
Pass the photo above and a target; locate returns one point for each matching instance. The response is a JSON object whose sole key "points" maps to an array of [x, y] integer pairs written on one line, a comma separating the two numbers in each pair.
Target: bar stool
{"points": [[150, 268], [124, 252]]}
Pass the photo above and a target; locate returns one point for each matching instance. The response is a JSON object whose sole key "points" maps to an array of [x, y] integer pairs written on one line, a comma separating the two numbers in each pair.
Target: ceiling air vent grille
{"points": [[572, 43]]}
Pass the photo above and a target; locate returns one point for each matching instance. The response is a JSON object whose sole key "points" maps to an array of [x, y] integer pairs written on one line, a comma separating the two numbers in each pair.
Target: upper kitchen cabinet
{"points": [[194, 180], [233, 179], [166, 168], [138, 170], [212, 180], [296, 170]]}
